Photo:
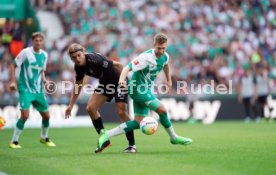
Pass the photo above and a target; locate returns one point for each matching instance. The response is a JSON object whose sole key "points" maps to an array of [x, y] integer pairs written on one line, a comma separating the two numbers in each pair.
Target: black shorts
{"points": [[246, 100], [262, 98], [111, 90]]}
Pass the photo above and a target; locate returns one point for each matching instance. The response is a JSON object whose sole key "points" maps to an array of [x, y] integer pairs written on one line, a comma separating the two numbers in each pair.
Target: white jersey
{"points": [[146, 67], [247, 86], [29, 67], [262, 85]]}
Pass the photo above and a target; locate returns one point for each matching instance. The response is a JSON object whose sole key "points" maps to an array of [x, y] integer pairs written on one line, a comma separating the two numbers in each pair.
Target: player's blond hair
{"points": [[160, 38], [37, 34], [74, 48]]}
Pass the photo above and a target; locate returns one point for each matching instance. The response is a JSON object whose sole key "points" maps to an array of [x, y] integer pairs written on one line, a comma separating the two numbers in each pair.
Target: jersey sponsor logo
{"points": [[136, 62], [121, 93], [31, 59], [105, 64]]}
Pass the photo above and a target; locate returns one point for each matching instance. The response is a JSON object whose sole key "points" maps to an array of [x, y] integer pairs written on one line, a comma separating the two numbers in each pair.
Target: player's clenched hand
{"points": [[68, 112], [13, 86], [122, 84], [46, 82], [169, 83]]}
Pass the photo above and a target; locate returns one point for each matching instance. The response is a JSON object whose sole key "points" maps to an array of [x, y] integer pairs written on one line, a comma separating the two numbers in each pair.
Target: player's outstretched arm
{"points": [[20, 58], [74, 96], [238, 89], [122, 80], [167, 74], [45, 81], [13, 85]]}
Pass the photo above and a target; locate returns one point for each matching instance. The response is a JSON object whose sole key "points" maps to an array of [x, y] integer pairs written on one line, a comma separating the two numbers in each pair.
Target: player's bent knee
{"points": [[138, 119], [161, 110], [24, 118], [91, 109], [45, 115]]}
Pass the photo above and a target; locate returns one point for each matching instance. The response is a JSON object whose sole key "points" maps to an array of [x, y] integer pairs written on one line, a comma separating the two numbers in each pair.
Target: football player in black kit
{"points": [[108, 72]]}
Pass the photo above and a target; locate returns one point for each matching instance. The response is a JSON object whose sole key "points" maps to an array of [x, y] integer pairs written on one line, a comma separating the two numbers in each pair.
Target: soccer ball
{"points": [[148, 125], [2, 122]]}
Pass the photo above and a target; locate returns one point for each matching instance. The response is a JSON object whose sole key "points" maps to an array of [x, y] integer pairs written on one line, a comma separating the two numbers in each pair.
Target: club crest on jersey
{"points": [[105, 64], [136, 62]]}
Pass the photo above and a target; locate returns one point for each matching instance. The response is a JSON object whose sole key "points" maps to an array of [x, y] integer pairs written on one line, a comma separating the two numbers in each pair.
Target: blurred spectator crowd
{"points": [[208, 39]]}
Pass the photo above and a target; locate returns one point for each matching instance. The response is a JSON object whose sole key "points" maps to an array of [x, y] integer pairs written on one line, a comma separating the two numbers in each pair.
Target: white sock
{"points": [[171, 132], [117, 131], [16, 134], [44, 132]]}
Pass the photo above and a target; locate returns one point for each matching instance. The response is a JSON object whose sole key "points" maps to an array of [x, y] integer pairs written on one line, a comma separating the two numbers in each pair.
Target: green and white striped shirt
{"points": [[29, 67], [146, 67]]}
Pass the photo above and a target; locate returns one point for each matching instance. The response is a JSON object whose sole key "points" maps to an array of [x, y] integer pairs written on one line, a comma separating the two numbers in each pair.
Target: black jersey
{"points": [[97, 66]]}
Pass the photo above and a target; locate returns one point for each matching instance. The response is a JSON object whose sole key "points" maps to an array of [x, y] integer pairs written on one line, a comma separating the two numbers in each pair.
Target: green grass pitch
{"points": [[223, 148]]}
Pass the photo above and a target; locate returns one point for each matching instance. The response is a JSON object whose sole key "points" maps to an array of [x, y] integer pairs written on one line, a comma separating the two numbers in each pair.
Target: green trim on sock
{"points": [[45, 123], [131, 125], [20, 124], [164, 120]]}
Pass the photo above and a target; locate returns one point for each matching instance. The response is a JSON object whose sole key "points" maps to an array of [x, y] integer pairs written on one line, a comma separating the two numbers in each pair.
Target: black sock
{"points": [[130, 138], [98, 124], [262, 112]]}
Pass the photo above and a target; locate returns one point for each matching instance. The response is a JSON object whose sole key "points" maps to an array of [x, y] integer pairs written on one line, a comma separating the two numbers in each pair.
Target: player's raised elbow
{"points": [[126, 69]]}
